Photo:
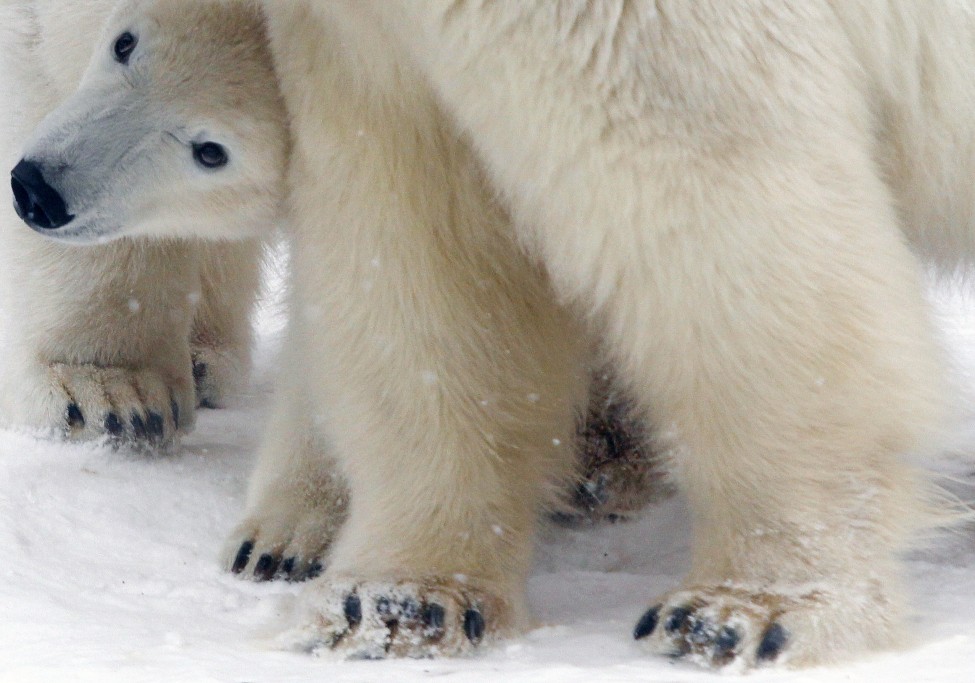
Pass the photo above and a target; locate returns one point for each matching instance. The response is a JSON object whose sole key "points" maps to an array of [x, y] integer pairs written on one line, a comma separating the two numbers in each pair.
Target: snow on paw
{"points": [[135, 407], [407, 619], [725, 626], [219, 373]]}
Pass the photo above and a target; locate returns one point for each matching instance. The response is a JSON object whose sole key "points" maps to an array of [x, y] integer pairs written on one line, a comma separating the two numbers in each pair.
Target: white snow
{"points": [[108, 572]]}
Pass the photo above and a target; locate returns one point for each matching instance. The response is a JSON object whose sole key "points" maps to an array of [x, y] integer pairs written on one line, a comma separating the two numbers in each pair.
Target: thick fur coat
{"points": [[730, 191], [736, 195]]}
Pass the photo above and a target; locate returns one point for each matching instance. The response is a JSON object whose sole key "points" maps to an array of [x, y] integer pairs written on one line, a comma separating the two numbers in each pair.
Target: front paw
{"points": [[415, 619], [138, 406], [741, 628]]}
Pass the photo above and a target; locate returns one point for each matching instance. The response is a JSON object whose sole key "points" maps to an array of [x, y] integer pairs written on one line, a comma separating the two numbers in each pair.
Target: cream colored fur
{"points": [[110, 328], [728, 189], [426, 351]]}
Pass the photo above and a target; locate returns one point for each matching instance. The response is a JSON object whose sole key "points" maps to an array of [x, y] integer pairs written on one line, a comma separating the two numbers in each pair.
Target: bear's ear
{"points": [[124, 47]]}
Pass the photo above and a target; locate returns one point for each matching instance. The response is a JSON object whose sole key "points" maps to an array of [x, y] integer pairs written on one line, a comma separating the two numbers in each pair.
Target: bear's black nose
{"points": [[37, 203]]}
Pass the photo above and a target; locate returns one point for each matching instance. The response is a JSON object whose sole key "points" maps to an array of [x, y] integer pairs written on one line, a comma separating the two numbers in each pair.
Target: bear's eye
{"points": [[210, 155], [124, 47]]}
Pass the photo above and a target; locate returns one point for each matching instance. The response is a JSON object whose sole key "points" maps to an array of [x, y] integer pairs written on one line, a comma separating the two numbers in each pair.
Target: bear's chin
{"points": [[81, 234]]}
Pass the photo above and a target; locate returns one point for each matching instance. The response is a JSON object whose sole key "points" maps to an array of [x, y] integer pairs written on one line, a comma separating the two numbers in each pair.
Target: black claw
{"points": [[702, 631], [156, 425], [243, 555], [199, 370], [174, 407], [139, 426], [113, 425], [474, 625], [383, 607], [75, 418], [726, 640], [266, 567], [647, 623], [315, 570], [435, 616], [772, 643], [288, 566], [677, 619], [353, 610]]}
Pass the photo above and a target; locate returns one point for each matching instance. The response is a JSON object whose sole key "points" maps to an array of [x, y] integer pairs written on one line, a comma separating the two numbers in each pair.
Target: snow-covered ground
{"points": [[108, 572]]}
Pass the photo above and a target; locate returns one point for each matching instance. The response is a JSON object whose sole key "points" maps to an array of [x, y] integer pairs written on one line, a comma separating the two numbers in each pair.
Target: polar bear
{"points": [[728, 193], [111, 339]]}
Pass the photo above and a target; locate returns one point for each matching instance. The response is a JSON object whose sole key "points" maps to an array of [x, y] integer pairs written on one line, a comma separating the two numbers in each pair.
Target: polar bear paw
{"points": [[128, 406], [289, 537], [219, 374], [737, 628], [410, 619]]}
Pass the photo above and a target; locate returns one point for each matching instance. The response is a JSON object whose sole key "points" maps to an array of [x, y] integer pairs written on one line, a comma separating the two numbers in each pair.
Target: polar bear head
{"points": [[177, 129]]}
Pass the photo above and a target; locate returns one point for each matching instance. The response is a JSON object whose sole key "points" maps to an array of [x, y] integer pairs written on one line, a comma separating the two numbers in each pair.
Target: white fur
{"points": [[110, 327], [426, 350], [728, 189]]}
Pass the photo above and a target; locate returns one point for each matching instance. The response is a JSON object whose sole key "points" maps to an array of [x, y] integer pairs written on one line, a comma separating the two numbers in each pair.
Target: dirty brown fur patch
{"points": [[621, 468]]}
